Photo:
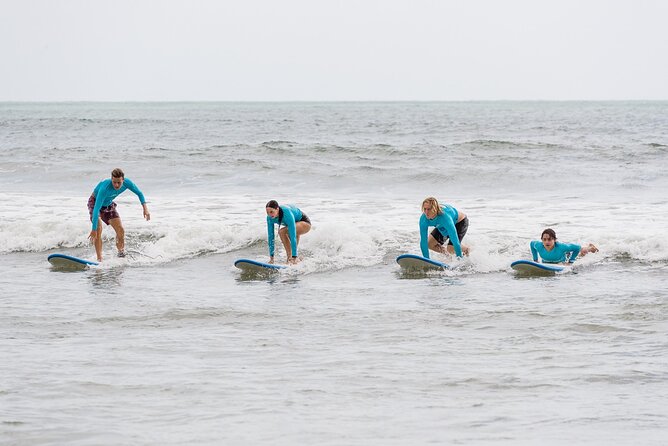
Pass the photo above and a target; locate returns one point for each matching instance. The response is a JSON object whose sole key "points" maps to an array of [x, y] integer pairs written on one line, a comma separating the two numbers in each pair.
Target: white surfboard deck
{"points": [[418, 263], [530, 267], [63, 261], [253, 266]]}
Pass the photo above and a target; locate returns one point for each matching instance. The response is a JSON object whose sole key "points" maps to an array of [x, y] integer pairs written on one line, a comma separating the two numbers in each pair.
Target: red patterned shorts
{"points": [[106, 212]]}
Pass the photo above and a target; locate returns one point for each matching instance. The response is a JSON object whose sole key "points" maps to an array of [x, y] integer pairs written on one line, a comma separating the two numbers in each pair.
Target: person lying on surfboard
{"points": [[101, 207], [552, 251], [448, 223], [292, 223]]}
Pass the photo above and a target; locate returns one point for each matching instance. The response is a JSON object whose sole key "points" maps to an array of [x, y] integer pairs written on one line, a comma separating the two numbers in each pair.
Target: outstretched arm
{"points": [[96, 214], [133, 187], [574, 250], [452, 234], [270, 237], [424, 241], [289, 220], [534, 251], [147, 214]]}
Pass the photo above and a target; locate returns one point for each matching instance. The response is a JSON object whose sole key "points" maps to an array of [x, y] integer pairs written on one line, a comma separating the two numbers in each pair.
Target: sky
{"points": [[319, 50]]}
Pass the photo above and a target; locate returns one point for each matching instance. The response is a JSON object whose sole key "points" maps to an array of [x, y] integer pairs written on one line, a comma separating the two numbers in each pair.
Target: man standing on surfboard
{"points": [[102, 207]]}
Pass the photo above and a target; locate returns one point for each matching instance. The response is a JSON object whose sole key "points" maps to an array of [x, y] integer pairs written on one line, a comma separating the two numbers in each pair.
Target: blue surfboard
{"points": [[63, 261], [414, 262], [534, 268], [253, 266]]}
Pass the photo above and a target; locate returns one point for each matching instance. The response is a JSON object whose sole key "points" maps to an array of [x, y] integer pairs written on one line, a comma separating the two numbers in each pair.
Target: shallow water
{"points": [[179, 348]]}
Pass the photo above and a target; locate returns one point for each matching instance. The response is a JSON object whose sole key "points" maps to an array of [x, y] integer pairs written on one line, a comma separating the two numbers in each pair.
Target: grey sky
{"points": [[166, 50]]}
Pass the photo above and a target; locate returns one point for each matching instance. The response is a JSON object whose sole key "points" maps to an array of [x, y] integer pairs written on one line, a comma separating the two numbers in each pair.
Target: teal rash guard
{"points": [[445, 223], [291, 214], [105, 193], [558, 253]]}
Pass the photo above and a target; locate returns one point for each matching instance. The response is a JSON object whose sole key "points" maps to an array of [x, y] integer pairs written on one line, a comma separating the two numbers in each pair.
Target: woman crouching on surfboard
{"points": [[552, 251], [292, 223], [448, 223]]}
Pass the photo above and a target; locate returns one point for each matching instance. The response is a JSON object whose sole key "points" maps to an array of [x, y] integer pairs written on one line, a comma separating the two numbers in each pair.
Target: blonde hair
{"points": [[433, 202]]}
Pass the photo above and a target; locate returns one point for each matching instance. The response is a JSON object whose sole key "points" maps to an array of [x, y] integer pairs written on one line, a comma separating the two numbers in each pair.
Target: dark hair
{"points": [[117, 173], [274, 205], [549, 232]]}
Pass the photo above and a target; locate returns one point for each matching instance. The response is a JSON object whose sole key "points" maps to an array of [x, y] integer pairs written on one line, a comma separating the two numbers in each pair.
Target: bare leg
{"points": [[120, 234], [465, 249], [301, 228], [435, 246], [285, 239], [449, 249], [98, 241]]}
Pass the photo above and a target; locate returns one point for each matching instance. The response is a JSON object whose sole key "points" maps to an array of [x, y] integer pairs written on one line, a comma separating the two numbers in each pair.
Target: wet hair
{"points": [[117, 173], [274, 205], [433, 202], [549, 232]]}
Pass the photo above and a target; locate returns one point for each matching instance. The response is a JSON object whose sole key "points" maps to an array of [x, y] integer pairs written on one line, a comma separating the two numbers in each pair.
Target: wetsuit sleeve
{"points": [[133, 187], [452, 234], [534, 251], [424, 241], [270, 236], [96, 212], [289, 220], [98, 188], [99, 199], [574, 250]]}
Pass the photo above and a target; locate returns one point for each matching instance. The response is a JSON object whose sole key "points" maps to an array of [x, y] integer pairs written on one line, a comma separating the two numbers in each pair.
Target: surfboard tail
{"points": [[415, 262], [66, 262]]}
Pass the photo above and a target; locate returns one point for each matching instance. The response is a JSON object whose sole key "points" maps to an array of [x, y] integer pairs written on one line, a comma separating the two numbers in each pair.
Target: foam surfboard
{"points": [[253, 266], [63, 261], [414, 262], [535, 268]]}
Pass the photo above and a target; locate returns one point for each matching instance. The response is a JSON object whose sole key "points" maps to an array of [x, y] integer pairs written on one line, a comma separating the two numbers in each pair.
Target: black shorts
{"points": [[305, 219], [461, 227]]}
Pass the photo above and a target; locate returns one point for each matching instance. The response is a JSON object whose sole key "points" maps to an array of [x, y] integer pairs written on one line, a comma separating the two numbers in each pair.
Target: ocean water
{"points": [[174, 346]]}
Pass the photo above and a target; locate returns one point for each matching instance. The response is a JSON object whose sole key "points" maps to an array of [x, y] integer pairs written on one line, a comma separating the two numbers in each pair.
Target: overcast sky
{"points": [[281, 50]]}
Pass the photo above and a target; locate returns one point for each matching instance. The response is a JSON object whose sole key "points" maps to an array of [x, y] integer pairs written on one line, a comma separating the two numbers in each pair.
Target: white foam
{"points": [[332, 246], [347, 232]]}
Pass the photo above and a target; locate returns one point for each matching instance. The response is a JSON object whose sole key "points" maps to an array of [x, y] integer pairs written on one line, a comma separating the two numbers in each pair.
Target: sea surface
{"points": [[173, 346]]}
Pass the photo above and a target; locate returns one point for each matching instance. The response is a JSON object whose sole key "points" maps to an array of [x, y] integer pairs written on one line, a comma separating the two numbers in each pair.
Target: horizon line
{"points": [[308, 101]]}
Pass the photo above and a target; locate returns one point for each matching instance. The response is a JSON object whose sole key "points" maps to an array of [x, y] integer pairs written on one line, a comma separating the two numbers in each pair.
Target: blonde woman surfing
{"points": [[448, 223]]}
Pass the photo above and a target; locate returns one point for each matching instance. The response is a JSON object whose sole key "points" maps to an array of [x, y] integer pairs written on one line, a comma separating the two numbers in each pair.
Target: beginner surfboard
{"points": [[63, 261], [530, 267], [253, 266], [414, 262]]}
